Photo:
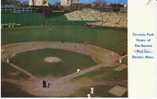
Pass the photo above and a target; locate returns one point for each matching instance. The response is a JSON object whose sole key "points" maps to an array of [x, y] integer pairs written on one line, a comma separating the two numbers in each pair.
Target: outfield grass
{"points": [[114, 39], [33, 61], [59, 29]]}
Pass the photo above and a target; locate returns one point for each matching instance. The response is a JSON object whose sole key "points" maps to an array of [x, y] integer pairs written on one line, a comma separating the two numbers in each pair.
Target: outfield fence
{"points": [[22, 18]]}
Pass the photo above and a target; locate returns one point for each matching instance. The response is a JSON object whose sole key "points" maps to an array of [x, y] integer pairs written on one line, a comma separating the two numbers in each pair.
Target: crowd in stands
{"points": [[98, 18]]}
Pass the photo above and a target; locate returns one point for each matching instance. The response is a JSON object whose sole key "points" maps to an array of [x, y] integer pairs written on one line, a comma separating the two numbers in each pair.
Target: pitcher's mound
{"points": [[52, 59]]}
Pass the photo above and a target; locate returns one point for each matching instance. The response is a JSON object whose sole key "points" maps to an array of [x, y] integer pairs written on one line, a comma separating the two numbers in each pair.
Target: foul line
{"points": [[22, 70]]}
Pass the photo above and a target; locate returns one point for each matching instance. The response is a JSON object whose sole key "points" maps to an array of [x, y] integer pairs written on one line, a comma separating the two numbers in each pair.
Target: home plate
{"points": [[117, 91]]}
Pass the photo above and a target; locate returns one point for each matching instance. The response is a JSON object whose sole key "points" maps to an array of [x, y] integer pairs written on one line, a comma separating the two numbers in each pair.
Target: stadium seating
{"points": [[110, 19]]}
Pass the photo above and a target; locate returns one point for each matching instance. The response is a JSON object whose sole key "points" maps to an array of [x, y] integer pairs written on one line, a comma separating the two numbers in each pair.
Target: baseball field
{"points": [[71, 56]]}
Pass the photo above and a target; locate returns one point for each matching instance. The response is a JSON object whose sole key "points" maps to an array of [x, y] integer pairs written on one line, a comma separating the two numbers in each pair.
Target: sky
{"points": [[88, 1]]}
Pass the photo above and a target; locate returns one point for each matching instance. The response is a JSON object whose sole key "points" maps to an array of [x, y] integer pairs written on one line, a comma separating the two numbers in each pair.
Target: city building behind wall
{"points": [[38, 2], [69, 2]]}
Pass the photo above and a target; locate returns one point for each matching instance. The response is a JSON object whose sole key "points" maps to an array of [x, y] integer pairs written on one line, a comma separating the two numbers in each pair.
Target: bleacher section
{"points": [[111, 19]]}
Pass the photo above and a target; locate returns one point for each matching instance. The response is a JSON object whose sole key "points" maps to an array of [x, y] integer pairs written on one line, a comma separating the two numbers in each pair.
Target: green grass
{"points": [[110, 38], [33, 61], [58, 28]]}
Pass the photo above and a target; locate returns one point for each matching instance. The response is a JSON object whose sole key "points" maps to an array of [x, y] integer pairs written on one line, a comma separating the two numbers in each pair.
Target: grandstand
{"points": [[110, 19]]}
